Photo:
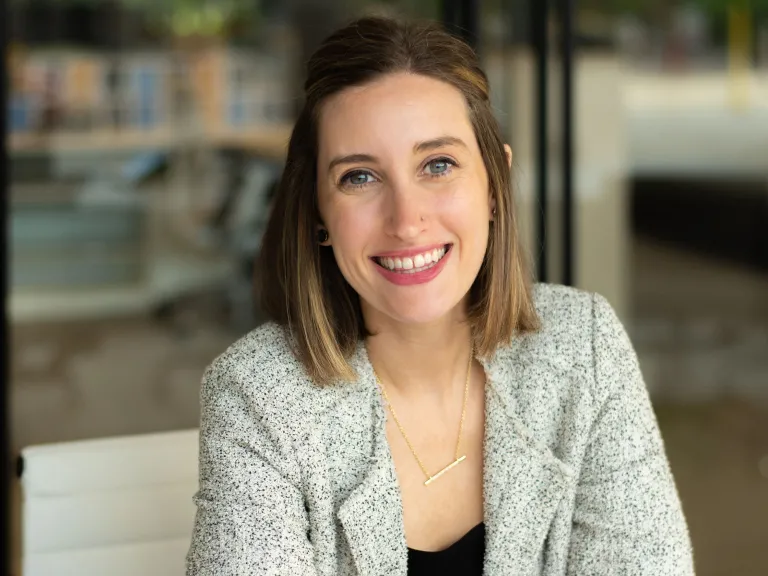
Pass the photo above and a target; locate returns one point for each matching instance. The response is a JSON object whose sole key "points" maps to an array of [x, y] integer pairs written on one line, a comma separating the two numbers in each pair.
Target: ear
{"points": [[491, 208], [508, 151], [322, 235]]}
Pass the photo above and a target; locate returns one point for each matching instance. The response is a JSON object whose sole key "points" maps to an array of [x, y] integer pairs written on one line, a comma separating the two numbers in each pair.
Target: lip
{"points": [[410, 252], [402, 279]]}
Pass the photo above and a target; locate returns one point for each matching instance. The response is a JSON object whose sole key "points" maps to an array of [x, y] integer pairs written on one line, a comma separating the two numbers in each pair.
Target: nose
{"points": [[405, 213]]}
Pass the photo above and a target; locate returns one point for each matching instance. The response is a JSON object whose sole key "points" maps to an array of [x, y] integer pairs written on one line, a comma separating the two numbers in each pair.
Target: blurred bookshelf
{"points": [[88, 241], [168, 277], [267, 141], [80, 99]]}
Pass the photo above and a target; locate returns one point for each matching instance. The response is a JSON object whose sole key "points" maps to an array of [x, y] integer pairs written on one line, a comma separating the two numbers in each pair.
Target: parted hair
{"points": [[298, 282]]}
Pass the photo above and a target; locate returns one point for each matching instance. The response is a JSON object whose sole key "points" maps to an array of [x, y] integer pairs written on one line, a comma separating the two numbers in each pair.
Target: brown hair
{"points": [[299, 282]]}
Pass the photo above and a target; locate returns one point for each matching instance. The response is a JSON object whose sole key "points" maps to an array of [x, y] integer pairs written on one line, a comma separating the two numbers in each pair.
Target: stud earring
{"points": [[322, 236]]}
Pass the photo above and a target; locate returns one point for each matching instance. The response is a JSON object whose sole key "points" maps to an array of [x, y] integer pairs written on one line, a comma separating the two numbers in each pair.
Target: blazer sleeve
{"points": [[627, 516], [251, 518]]}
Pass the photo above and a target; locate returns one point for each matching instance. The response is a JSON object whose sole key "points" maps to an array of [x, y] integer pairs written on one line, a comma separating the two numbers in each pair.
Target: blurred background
{"points": [[145, 140]]}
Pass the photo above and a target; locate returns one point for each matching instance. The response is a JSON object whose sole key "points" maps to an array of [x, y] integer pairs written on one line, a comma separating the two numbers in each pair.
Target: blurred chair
{"points": [[120, 506], [236, 227], [242, 220]]}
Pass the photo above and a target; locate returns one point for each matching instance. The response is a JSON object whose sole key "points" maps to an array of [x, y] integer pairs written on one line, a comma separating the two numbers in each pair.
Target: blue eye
{"points": [[357, 178], [439, 166]]}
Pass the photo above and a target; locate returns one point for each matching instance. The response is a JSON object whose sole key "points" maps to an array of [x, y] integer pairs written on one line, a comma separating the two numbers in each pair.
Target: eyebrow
{"points": [[425, 146], [439, 143], [350, 159]]}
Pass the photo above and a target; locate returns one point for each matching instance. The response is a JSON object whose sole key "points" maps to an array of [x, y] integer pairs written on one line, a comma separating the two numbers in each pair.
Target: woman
{"points": [[416, 406]]}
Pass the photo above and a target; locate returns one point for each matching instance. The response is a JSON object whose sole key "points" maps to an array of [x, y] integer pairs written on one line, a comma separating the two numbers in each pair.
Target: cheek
{"points": [[351, 226], [468, 220], [467, 207]]}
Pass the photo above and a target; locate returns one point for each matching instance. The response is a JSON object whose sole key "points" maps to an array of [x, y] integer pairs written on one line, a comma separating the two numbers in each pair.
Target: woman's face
{"points": [[403, 193]]}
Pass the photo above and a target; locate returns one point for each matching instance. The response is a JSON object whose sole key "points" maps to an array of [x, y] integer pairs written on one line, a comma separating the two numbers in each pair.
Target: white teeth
{"points": [[414, 264]]}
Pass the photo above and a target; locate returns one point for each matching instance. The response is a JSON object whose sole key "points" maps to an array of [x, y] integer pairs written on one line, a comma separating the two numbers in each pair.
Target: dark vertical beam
{"points": [[5, 440], [449, 14], [540, 42], [569, 237], [462, 18], [470, 22]]}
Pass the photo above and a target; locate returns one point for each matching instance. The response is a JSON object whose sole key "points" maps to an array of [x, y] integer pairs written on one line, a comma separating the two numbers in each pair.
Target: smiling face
{"points": [[403, 192]]}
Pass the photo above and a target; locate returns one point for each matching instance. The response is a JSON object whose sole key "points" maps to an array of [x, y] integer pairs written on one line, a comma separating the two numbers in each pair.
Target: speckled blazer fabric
{"points": [[298, 480]]}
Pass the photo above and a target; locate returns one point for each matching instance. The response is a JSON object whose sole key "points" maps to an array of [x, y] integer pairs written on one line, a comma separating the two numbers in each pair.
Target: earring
{"points": [[322, 236]]}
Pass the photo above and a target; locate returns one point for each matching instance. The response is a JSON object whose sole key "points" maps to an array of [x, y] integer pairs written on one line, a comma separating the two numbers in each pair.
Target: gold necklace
{"points": [[456, 460]]}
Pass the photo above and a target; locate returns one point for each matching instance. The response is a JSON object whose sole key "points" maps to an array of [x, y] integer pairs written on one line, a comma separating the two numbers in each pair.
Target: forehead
{"points": [[395, 110]]}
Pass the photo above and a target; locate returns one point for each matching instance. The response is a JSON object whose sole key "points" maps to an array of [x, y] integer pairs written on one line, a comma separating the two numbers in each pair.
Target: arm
{"points": [[251, 517], [627, 517]]}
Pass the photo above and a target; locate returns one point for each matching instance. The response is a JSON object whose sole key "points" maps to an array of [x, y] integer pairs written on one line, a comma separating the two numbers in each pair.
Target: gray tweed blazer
{"points": [[298, 480]]}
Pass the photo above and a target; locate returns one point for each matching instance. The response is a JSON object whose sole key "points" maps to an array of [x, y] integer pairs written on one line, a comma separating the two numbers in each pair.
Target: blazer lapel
{"points": [[372, 514], [373, 522], [523, 485]]}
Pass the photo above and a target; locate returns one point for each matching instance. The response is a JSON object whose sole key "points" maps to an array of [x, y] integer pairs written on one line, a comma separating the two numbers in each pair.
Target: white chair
{"points": [[117, 507]]}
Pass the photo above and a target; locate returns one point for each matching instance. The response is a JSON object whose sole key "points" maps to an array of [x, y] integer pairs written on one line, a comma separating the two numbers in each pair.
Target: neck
{"points": [[418, 360]]}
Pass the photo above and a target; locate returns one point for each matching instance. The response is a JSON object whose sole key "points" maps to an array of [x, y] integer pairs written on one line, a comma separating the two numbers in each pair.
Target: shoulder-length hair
{"points": [[299, 282]]}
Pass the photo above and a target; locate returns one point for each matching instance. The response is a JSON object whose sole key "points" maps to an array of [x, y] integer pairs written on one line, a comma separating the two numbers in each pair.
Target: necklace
{"points": [[457, 460]]}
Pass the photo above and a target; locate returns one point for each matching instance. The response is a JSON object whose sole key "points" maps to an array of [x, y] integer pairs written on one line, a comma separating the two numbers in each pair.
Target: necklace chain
{"points": [[430, 478]]}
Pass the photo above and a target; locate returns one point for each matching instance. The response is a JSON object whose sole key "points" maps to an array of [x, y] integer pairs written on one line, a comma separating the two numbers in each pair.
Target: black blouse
{"points": [[464, 557]]}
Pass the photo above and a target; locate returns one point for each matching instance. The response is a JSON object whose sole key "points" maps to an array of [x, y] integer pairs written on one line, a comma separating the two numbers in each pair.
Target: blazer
{"points": [[297, 479]]}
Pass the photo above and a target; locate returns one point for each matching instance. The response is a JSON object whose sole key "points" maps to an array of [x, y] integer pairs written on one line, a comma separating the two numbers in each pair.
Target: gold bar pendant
{"points": [[444, 470]]}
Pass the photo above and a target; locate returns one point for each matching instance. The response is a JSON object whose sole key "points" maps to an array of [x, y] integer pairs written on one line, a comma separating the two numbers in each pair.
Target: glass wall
{"points": [[671, 224], [694, 94]]}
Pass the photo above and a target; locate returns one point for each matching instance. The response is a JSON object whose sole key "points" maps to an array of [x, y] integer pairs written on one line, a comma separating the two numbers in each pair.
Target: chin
{"points": [[421, 312]]}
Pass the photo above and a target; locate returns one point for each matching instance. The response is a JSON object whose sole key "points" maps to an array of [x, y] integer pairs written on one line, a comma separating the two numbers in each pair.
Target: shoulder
{"points": [[566, 316], [557, 379], [562, 308], [263, 355], [261, 372], [576, 327], [571, 319]]}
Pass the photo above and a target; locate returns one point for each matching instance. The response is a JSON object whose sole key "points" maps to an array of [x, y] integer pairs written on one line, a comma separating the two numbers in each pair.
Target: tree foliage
{"points": [[651, 8], [182, 17]]}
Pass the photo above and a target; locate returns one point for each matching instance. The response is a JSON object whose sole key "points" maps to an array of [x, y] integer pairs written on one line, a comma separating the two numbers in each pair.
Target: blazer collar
{"points": [[372, 514], [523, 481], [522, 487]]}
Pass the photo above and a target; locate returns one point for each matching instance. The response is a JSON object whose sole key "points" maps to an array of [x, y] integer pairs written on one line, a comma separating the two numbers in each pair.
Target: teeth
{"points": [[414, 264]]}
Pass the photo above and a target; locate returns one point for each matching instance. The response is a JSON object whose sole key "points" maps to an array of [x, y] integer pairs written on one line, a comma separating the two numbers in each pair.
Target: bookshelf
{"points": [[169, 275], [269, 141], [81, 108]]}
